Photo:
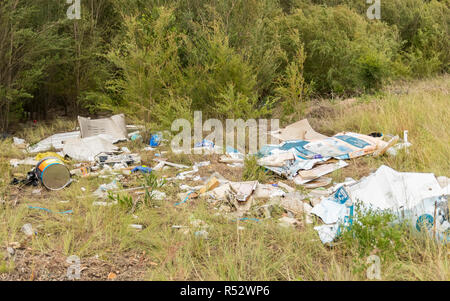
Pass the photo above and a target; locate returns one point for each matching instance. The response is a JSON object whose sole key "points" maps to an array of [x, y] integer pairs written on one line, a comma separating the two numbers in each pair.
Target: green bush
{"points": [[423, 28], [344, 52], [373, 230]]}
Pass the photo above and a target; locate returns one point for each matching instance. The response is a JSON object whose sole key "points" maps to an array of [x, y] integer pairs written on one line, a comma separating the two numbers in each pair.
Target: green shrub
{"points": [[252, 171], [344, 52], [373, 230]]}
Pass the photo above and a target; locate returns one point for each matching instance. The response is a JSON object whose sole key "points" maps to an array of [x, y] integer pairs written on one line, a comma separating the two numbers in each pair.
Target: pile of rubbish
{"points": [[93, 145], [303, 157]]}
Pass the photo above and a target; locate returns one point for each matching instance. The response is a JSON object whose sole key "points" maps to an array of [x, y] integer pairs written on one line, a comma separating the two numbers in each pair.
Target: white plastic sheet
{"points": [[390, 189], [56, 141], [85, 149]]}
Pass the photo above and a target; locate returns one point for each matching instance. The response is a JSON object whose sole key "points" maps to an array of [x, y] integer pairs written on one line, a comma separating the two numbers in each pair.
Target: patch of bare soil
{"points": [[54, 267]]}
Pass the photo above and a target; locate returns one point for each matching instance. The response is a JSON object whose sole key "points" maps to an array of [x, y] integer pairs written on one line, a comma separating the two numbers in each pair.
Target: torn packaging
{"points": [[293, 202], [411, 196], [300, 130], [243, 190], [277, 160], [346, 145], [306, 176], [319, 182], [390, 189], [337, 212]]}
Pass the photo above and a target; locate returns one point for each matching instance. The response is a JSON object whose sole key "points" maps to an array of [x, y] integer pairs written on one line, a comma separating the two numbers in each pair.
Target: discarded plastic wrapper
{"points": [[27, 161], [102, 189], [404, 145], [28, 230], [346, 145], [337, 213], [135, 136], [416, 197], [390, 189], [143, 169], [204, 143], [135, 226], [202, 234], [155, 140]]}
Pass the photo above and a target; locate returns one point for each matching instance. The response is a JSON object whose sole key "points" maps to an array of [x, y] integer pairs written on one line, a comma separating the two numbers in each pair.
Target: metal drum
{"points": [[52, 173]]}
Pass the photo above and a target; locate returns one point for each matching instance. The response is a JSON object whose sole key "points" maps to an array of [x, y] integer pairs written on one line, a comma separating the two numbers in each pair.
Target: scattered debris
{"points": [[137, 227], [303, 157], [155, 139], [104, 203], [180, 166], [55, 141], [404, 145], [410, 196], [202, 234], [143, 169], [101, 191], [27, 161], [306, 176], [20, 143], [10, 251], [28, 230]]}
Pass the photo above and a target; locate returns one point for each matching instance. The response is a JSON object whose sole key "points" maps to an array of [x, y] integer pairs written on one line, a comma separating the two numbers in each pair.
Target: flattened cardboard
{"points": [[114, 126]]}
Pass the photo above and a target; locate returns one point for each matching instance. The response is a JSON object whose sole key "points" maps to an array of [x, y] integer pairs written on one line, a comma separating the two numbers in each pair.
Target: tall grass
{"points": [[421, 107]]}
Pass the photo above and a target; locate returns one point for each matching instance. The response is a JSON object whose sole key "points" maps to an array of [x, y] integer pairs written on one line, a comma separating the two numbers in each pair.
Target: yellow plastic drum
{"points": [[52, 173]]}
